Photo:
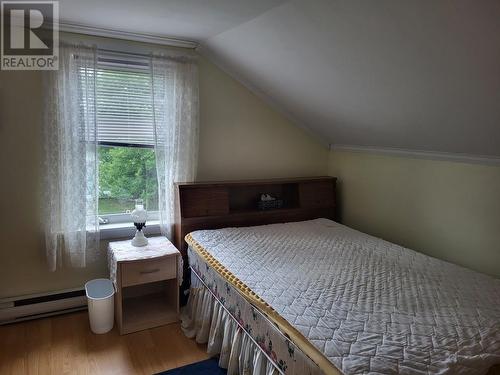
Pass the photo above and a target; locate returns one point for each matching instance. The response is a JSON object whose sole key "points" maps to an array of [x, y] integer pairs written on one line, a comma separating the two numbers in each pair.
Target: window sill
{"points": [[127, 230]]}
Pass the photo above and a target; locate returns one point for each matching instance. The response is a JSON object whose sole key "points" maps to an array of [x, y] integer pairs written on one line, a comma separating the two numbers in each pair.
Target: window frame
{"points": [[113, 219], [120, 224], [124, 230]]}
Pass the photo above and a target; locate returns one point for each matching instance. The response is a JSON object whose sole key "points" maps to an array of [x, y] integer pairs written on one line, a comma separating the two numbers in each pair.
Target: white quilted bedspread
{"points": [[369, 305]]}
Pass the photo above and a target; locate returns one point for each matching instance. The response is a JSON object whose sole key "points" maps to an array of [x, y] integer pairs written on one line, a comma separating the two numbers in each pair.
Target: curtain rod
{"points": [[174, 55], [124, 52]]}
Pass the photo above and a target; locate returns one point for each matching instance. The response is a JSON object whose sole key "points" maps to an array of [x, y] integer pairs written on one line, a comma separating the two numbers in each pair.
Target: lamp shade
{"points": [[139, 214]]}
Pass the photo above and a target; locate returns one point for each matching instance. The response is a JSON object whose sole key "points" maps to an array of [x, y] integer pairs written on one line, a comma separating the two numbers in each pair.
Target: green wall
{"points": [[448, 210]]}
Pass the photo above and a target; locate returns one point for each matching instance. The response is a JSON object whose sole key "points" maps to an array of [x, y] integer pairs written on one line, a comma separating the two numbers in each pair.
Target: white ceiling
{"points": [[411, 74]]}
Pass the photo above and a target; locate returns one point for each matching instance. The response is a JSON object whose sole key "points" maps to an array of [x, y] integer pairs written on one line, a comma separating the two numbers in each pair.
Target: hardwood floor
{"points": [[65, 345]]}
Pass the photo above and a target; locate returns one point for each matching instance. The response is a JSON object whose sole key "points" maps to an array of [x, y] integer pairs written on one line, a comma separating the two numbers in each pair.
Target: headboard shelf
{"points": [[219, 204], [269, 181]]}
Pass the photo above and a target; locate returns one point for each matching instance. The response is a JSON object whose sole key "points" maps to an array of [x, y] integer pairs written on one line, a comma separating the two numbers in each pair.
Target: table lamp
{"points": [[139, 216]]}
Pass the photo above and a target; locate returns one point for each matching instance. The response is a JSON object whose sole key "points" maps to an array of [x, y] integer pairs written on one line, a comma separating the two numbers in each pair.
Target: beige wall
{"points": [[22, 261], [448, 210], [241, 137]]}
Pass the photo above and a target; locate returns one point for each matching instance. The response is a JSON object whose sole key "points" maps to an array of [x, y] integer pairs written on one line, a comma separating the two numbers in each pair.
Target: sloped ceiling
{"points": [[411, 74]]}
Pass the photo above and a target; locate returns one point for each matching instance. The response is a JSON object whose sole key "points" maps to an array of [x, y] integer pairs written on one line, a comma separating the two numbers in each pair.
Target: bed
{"points": [[314, 296]]}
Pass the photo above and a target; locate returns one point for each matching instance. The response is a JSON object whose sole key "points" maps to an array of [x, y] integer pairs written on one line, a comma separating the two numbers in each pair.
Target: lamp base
{"points": [[139, 239]]}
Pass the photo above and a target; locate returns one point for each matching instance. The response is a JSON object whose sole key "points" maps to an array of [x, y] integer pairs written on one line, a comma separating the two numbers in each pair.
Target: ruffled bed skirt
{"points": [[206, 320]]}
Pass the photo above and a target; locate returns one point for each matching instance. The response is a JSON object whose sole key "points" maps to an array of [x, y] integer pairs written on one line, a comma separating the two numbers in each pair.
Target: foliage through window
{"points": [[126, 173]]}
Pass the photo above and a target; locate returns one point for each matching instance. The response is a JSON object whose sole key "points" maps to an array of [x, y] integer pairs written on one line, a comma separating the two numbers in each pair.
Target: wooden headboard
{"points": [[212, 205]]}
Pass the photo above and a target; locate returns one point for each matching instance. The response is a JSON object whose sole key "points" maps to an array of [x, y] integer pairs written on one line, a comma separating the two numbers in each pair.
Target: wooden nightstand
{"points": [[147, 283]]}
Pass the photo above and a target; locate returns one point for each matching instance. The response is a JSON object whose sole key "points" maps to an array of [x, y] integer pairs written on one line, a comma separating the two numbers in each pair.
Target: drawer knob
{"points": [[150, 271]]}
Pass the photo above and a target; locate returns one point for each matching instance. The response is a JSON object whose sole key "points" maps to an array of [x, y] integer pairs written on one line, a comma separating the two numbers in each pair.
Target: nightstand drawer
{"points": [[147, 271]]}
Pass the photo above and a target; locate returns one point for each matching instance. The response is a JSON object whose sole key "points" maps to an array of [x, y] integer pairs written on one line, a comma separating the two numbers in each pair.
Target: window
{"points": [[125, 134], [124, 114]]}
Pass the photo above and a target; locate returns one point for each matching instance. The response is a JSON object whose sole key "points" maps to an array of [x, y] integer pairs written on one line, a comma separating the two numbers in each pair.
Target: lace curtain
{"points": [[175, 103], [71, 188], [71, 160]]}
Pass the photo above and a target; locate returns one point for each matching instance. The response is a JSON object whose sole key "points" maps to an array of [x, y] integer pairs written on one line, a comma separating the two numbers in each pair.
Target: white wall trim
{"points": [[138, 37], [417, 154], [7, 300]]}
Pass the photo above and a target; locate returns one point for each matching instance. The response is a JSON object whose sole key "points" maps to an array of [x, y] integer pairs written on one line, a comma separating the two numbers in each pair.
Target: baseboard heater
{"points": [[17, 309]]}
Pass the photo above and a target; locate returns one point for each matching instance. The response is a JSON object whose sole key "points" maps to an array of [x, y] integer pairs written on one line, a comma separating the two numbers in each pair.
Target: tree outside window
{"points": [[125, 174]]}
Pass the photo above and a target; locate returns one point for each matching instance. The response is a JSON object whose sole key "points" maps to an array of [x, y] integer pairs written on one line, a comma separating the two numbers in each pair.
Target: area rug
{"points": [[207, 367]]}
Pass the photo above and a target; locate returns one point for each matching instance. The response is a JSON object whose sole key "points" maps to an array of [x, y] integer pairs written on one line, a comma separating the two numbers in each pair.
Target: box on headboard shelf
{"points": [[211, 205], [270, 205]]}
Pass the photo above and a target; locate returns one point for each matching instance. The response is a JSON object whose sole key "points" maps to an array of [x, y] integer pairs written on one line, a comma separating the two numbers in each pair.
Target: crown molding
{"points": [[69, 27], [416, 154]]}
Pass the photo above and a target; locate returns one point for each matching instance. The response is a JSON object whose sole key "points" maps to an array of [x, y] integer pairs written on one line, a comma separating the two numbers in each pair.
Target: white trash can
{"points": [[100, 300]]}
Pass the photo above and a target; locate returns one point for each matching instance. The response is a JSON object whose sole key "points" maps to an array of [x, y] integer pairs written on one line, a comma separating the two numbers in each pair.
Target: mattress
{"points": [[365, 304]]}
